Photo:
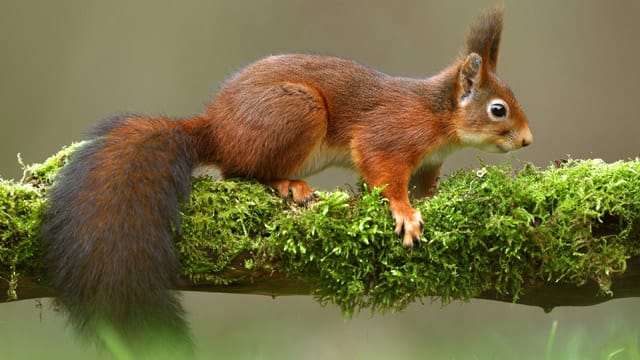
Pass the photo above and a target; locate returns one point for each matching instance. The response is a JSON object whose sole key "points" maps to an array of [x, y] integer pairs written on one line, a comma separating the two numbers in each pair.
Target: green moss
{"points": [[20, 211], [43, 174], [21, 208], [234, 213], [488, 229]]}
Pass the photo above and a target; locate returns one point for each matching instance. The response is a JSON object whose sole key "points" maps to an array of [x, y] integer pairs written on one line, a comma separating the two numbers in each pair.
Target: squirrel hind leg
{"points": [[272, 133], [299, 190]]}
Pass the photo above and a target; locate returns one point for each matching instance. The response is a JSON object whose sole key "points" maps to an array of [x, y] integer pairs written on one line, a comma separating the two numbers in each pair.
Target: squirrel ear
{"points": [[469, 77]]}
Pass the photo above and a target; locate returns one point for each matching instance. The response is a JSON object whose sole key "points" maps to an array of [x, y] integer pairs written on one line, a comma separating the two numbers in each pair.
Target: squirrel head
{"points": [[487, 114]]}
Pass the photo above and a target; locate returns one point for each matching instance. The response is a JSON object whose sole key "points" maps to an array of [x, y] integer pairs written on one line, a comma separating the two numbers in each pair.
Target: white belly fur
{"points": [[323, 157], [437, 158]]}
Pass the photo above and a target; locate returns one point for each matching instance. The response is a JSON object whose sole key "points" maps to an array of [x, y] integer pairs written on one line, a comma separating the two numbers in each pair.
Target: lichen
{"points": [[492, 228]]}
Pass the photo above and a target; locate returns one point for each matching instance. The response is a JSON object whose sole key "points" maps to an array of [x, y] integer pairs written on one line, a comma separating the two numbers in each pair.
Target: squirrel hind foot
{"points": [[299, 190]]}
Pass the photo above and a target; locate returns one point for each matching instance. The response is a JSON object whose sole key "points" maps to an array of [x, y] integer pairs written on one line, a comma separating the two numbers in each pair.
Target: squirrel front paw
{"points": [[408, 227]]}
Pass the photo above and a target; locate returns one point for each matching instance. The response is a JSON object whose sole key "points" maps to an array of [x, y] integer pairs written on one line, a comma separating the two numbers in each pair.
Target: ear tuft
{"points": [[484, 37], [469, 77]]}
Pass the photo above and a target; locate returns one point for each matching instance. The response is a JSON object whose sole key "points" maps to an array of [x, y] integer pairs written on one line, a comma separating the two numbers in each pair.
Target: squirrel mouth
{"points": [[496, 148]]}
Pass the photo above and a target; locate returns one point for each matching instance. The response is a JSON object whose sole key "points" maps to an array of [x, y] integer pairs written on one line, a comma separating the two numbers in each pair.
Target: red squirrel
{"points": [[111, 215]]}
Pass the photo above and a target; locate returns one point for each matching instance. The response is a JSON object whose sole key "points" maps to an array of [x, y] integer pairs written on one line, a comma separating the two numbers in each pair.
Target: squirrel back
{"points": [[113, 211]]}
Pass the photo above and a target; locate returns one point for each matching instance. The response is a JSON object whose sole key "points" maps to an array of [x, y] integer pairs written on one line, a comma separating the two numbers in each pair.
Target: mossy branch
{"points": [[565, 235]]}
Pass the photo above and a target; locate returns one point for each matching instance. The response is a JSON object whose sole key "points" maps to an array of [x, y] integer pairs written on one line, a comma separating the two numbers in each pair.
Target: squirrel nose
{"points": [[527, 138]]}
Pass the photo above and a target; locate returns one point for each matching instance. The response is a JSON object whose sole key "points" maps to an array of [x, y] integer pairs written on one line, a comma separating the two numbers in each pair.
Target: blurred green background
{"points": [[573, 65]]}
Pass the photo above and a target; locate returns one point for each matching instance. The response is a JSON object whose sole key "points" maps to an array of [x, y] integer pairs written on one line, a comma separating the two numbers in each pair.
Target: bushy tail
{"points": [[109, 230]]}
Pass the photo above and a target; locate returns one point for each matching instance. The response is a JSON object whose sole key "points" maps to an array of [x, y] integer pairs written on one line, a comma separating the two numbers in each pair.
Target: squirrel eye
{"points": [[497, 110]]}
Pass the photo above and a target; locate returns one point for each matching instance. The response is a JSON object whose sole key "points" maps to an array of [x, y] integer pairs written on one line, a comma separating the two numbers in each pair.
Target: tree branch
{"points": [[567, 235], [544, 294]]}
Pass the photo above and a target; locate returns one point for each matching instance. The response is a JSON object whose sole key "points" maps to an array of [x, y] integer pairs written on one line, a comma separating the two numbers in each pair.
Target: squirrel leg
{"points": [[272, 134], [378, 171], [408, 220]]}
